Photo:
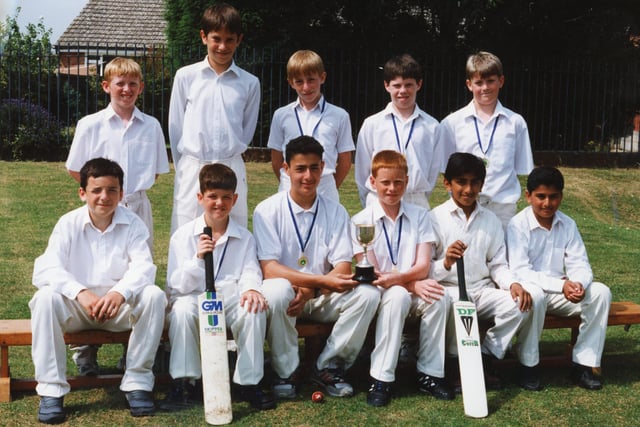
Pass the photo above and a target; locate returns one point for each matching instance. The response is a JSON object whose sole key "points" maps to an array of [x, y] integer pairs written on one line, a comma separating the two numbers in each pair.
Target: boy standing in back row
{"points": [[492, 132], [312, 115], [212, 115], [546, 250], [402, 126]]}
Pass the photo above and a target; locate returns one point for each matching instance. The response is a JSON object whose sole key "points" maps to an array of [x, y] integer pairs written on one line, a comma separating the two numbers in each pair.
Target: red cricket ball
{"points": [[317, 397]]}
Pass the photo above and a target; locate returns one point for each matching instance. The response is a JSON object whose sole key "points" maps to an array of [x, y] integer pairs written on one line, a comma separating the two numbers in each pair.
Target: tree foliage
{"points": [[535, 27]]}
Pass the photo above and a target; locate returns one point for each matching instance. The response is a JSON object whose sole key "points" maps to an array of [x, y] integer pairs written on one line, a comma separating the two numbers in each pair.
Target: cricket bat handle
{"points": [[210, 285], [462, 283]]}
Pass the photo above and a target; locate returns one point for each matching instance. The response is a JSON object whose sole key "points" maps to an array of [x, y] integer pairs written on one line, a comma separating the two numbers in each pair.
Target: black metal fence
{"points": [[570, 104]]}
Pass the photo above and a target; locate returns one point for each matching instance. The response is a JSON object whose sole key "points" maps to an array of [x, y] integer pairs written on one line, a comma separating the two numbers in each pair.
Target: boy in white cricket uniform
{"points": [[212, 114], [492, 132], [546, 250], [96, 273], [402, 126], [238, 278], [464, 228], [312, 115], [304, 248], [124, 134], [401, 256]]}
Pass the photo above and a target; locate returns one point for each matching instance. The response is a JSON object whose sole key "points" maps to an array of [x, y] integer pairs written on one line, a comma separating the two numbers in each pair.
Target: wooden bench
{"points": [[18, 333]]}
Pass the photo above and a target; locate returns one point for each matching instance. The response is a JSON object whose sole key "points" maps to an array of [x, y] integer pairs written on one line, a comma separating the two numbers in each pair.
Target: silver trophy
{"points": [[365, 234]]}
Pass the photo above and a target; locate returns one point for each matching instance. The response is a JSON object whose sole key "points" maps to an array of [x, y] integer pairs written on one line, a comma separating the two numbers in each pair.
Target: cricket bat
{"points": [[213, 349], [474, 394]]}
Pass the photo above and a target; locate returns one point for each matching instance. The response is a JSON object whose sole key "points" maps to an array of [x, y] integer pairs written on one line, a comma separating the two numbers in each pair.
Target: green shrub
{"points": [[29, 132]]}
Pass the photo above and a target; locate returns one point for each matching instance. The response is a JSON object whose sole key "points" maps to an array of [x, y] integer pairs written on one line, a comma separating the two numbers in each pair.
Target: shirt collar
{"points": [[378, 211], [119, 217], [533, 222], [453, 208], [233, 68], [389, 110], [299, 209], [318, 105], [233, 228], [111, 113], [470, 111]]}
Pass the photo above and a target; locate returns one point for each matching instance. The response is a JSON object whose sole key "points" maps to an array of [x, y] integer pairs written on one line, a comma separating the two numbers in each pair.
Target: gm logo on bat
{"points": [[211, 305]]}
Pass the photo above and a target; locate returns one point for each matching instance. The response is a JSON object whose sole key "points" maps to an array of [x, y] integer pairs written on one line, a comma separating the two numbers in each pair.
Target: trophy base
{"points": [[365, 274]]}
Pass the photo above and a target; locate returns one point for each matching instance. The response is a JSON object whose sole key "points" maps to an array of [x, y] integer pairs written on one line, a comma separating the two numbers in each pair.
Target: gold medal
{"points": [[394, 269], [303, 261]]}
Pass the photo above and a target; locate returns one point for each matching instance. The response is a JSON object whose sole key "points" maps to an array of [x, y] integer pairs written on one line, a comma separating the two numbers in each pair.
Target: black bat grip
{"points": [[462, 283], [210, 285]]}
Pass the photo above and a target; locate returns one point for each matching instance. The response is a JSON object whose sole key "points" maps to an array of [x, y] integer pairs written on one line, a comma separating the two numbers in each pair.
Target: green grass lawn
{"points": [[605, 204]]}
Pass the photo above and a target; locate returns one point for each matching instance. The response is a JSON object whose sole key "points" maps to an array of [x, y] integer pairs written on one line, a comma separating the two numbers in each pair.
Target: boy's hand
{"points": [[87, 300], [339, 282], [573, 291], [520, 296], [297, 303], [107, 307], [205, 245], [429, 290], [387, 280], [253, 301], [454, 252]]}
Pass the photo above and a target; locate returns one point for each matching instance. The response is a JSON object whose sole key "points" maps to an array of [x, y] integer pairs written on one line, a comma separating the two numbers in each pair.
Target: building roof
{"points": [[114, 22]]}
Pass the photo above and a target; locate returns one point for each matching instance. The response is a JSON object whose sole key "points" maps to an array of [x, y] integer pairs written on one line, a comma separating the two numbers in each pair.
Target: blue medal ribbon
{"points": [[495, 124], [395, 128], [303, 245], [295, 110], [386, 236]]}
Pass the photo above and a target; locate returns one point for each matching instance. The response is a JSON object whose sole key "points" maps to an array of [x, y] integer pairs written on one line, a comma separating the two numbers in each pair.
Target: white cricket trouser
{"points": [[53, 314], [498, 306], [396, 306], [248, 331], [504, 211], [419, 198], [326, 188], [139, 203], [594, 314], [187, 186], [352, 311]]}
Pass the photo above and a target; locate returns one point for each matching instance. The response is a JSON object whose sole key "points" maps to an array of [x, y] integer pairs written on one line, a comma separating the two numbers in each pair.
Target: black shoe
{"points": [[529, 379], [183, 395], [286, 388], [491, 379], [436, 387], [332, 381], [140, 403], [51, 410], [256, 397], [379, 393], [585, 377]]}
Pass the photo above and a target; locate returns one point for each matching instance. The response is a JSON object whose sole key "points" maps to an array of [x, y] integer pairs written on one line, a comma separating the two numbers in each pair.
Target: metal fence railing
{"points": [[570, 104]]}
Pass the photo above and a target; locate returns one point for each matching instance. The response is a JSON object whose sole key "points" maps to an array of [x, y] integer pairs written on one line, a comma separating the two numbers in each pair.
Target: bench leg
{"points": [[5, 379]]}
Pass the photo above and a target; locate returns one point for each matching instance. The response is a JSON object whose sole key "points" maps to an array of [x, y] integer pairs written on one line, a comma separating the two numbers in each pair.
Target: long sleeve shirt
{"points": [[544, 257], [79, 256]]}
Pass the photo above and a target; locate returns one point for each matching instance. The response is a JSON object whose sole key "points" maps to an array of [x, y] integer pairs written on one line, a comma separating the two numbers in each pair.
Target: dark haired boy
{"points": [[464, 228], [304, 247], [546, 250], [238, 278], [402, 126], [212, 115], [96, 273]]}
